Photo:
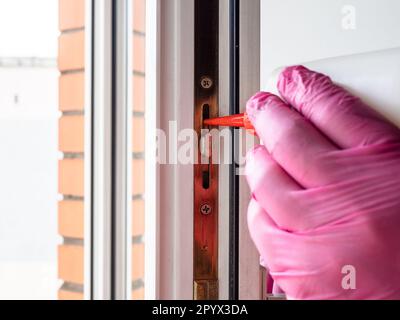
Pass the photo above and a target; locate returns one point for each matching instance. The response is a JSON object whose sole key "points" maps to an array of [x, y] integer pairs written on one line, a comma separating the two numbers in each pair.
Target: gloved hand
{"points": [[325, 213]]}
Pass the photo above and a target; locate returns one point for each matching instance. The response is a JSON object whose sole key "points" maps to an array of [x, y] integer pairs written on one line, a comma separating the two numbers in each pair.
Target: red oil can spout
{"points": [[237, 121]]}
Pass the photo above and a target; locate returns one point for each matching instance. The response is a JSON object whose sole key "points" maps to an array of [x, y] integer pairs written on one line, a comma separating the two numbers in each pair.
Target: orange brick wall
{"points": [[138, 137], [71, 64]]}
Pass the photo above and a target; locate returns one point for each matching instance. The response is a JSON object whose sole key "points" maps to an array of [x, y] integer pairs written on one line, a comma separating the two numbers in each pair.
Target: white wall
{"points": [[297, 31], [28, 183], [28, 28]]}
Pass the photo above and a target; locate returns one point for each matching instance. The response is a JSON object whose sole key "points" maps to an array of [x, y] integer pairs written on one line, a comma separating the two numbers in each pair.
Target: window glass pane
{"points": [[42, 163]]}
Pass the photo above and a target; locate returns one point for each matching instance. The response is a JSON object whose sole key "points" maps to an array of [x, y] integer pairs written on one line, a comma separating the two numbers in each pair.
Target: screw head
{"points": [[206, 209], [206, 82]]}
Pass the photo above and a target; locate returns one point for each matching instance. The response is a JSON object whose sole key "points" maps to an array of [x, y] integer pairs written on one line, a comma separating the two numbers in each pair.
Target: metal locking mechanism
{"points": [[205, 172]]}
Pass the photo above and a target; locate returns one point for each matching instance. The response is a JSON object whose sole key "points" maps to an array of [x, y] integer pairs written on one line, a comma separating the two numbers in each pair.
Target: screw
{"points": [[206, 82], [206, 209]]}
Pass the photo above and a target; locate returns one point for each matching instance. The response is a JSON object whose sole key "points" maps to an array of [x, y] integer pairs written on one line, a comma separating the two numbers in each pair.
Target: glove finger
{"points": [[296, 263], [290, 139], [276, 191], [266, 235]]}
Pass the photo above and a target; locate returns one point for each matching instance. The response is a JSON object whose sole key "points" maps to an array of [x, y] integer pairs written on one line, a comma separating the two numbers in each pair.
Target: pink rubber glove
{"points": [[325, 214]]}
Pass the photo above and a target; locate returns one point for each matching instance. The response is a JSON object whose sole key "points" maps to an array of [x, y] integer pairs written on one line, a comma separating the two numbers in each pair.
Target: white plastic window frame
{"points": [[251, 276], [170, 95], [169, 201], [108, 150]]}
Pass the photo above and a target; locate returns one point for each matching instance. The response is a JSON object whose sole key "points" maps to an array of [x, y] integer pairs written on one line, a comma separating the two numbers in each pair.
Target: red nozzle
{"points": [[238, 121]]}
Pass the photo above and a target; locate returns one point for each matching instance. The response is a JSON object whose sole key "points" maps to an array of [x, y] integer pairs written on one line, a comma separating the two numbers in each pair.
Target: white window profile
{"points": [[168, 188]]}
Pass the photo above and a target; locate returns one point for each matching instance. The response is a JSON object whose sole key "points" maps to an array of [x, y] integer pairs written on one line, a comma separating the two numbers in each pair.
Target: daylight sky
{"points": [[28, 28]]}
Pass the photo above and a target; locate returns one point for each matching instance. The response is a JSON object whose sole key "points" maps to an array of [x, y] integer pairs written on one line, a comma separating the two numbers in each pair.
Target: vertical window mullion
{"points": [[88, 149], [152, 169], [122, 149], [111, 150], [233, 177], [101, 153]]}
